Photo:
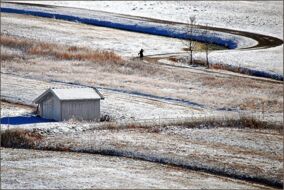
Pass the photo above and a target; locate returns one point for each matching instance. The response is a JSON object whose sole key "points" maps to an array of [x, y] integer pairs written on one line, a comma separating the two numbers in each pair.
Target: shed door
{"points": [[47, 109]]}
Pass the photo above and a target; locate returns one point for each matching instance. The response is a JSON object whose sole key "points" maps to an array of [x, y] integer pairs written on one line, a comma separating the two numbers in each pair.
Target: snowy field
{"points": [[259, 17], [119, 106], [213, 149], [29, 169], [155, 89], [8, 109], [122, 42]]}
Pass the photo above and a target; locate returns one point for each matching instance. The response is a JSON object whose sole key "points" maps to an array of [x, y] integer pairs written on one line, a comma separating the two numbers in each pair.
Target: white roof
{"points": [[76, 93], [72, 94]]}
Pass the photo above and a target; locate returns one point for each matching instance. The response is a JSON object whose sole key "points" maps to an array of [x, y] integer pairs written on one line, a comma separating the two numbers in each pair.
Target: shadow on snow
{"points": [[20, 120]]}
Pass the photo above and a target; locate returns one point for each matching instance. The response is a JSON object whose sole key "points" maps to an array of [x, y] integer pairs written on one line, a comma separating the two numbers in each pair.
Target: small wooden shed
{"points": [[63, 104]]}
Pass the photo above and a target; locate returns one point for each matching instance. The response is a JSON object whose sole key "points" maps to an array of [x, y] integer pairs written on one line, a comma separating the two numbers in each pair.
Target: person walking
{"points": [[141, 54]]}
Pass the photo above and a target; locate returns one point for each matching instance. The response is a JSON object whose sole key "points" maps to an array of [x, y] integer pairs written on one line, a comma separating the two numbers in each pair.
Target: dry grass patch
{"points": [[230, 68], [242, 122], [59, 51], [174, 59], [235, 82], [210, 122], [254, 123], [108, 60], [262, 104], [14, 42], [7, 57], [19, 138]]}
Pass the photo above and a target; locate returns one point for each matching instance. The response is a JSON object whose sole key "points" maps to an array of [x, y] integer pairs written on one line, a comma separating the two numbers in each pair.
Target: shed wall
{"points": [[80, 109], [50, 108], [56, 109], [47, 107]]}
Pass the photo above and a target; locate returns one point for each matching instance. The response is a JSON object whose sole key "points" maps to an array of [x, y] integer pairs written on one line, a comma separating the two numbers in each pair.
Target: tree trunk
{"points": [[191, 60], [207, 60]]}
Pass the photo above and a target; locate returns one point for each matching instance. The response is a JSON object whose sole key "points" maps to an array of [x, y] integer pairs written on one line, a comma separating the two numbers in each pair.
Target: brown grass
{"points": [[14, 42], [174, 59], [59, 51], [254, 123], [7, 57], [19, 138], [262, 104], [222, 67], [242, 122], [105, 61], [229, 68], [209, 122], [233, 82]]}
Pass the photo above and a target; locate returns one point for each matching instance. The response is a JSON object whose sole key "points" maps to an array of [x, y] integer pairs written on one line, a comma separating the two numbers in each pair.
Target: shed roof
{"points": [[71, 94]]}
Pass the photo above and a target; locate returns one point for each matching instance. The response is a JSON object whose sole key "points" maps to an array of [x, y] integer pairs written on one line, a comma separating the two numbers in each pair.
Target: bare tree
{"points": [[189, 42], [207, 41], [192, 21]]}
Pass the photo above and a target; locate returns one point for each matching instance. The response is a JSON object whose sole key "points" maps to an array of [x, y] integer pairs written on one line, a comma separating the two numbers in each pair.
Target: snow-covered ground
{"points": [[192, 89], [119, 106], [10, 110], [122, 42], [145, 91], [260, 154], [30, 169], [211, 148], [254, 16]]}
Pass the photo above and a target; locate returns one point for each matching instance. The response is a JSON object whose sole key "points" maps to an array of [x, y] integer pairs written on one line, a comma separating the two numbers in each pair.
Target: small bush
{"points": [[105, 118], [133, 126], [230, 68], [155, 129], [111, 125], [174, 59], [19, 138], [73, 48], [252, 122], [7, 57]]}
